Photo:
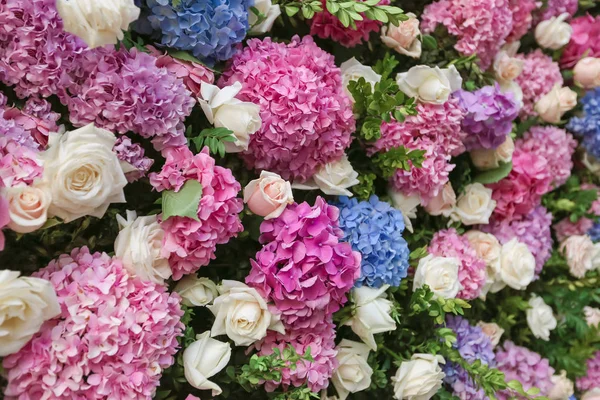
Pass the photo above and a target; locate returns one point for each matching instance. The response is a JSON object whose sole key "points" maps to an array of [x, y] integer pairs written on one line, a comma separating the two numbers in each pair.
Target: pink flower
{"points": [[521, 17], [4, 219], [566, 228], [553, 8], [38, 128], [19, 165], [584, 43], [132, 154], [592, 378], [538, 77]]}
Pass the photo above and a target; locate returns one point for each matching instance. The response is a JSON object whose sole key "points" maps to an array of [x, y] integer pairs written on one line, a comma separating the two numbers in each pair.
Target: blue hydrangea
{"points": [[209, 29], [374, 228], [594, 232], [588, 125]]}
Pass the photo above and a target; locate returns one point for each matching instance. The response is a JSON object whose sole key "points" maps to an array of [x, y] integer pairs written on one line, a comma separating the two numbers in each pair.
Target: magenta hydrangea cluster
{"points": [[471, 272], [115, 334], [522, 18], [591, 379], [189, 243], [307, 118], [524, 365], [584, 43], [553, 8]]}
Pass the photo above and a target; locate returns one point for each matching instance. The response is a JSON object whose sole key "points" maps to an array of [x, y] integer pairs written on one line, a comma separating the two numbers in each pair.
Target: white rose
{"points": [[269, 195], [353, 373], [97, 23], [403, 38], [196, 292], [554, 104], [486, 246], [593, 394], [420, 378], [486, 159], [333, 178], [587, 73], [592, 316], [491, 330], [372, 314], [562, 388], [440, 274], [443, 203], [139, 246], [203, 359], [517, 265], [27, 207], [83, 174], [25, 304], [507, 68], [540, 318], [475, 205], [429, 85], [269, 10], [554, 32], [353, 70], [580, 253], [242, 314], [407, 204]]}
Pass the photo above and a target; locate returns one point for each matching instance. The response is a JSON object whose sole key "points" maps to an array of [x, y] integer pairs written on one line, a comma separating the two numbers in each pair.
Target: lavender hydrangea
{"points": [[588, 125], [374, 228], [489, 116]]}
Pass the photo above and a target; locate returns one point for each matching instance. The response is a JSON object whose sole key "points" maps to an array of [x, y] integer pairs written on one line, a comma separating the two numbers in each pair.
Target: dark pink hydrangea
{"points": [[538, 77], [303, 268], [584, 40], [553, 8], [591, 379], [132, 154], [188, 243], [522, 18], [39, 129], [307, 118], [113, 338], [471, 272]]}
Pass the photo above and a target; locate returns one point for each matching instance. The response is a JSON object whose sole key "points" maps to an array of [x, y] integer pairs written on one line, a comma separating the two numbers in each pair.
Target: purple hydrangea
{"points": [[133, 154]]}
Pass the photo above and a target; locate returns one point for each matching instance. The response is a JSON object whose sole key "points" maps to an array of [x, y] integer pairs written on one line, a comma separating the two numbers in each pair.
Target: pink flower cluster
{"points": [[188, 243], [307, 119], [132, 154], [522, 18], [538, 77], [553, 8], [113, 338], [566, 228], [4, 219], [471, 273], [584, 40], [592, 378], [38, 128]]}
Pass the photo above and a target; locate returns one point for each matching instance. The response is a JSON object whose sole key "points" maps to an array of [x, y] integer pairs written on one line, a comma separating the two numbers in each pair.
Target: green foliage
{"points": [[423, 300], [214, 139], [260, 17], [571, 201], [348, 11], [366, 186], [398, 158], [494, 175], [183, 203], [129, 43]]}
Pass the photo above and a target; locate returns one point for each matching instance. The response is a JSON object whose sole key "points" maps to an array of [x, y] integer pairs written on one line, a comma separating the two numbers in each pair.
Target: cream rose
{"points": [[97, 23], [139, 246], [334, 178], [372, 314], [553, 105], [28, 207], [443, 203], [196, 292], [540, 318], [269, 10], [407, 204], [474, 206], [403, 38], [554, 32], [353, 373], [429, 85], [82, 173], [507, 68], [515, 89], [491, 330], [487, 159], [353, 70], [269, 195], [242, 314], [203, 359], [517, 265], [440, 274], [579, 252], [592, 316], [486, 245], [593, 394], [25, 304], [420, 378], [587, 73], [562, 388]]}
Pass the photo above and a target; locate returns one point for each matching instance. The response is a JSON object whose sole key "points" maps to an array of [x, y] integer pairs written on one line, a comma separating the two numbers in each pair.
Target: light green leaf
{"points": [[429, 42], [50, 223], [184, 203], [184, 56], [494, 175]]}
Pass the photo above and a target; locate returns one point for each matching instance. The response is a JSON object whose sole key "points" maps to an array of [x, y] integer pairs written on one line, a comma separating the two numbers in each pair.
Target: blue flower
{"points": [[374, 228], [588, 125]]}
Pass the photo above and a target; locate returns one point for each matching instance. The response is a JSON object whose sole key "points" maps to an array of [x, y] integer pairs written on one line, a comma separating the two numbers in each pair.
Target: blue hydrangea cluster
{"points": [[374, 228], [588, 125], [594, 232], [209, 29]]}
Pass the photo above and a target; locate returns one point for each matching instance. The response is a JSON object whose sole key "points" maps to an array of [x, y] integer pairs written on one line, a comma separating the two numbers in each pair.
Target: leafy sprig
{"points": [[398, 158], [214, 139], [423, 300]]}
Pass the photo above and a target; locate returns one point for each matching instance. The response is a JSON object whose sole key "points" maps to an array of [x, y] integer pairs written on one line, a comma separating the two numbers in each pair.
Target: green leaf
{"points": [[184, 56], [51, 223], [344, 17], [494, 175], [184, 203], [291, 10]]}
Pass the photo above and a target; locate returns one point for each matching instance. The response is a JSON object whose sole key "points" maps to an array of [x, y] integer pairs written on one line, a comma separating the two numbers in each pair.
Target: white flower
{"points": [[83, 174], [486, 159], [139, 246], [440, 274], [333, 178], [372, 314], [28, 207], [97, 23], [587, 73], [242, 314], [269, 195], [196, 291], [517, 265], [429, 85], [420, 378], [491, 330], [591, 163], [353, 373], [203, 359], [403, 38], [269, 10], [540, 318], [580, 253], [475, 205], [353, 70], [593, 394], [592, 316], [488, 249], [406, 204], [225, 111], [506, 67], [562, 388], [554, 32], [554, 104], [25, 304], [443, 203]]}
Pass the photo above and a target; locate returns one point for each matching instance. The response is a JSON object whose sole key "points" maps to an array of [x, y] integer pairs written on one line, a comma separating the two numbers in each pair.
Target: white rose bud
{"points": [[196, 292], [25, 304], [491, 330], [83, 174], [27, 207], [587, 73], [403, 38], [592, 316], [203, 359], [580, 253], [139, 246], [440, 274], [407, 204], [242, 314], [487, 159], [507, 68], [420, 378], [97, 23], [353, 70], [540, 318], [475, 205], [554, 32], [269, 195], [269, 10], [562, 388], [517, 265], [554, 104], [353, 373], [333, 178], [429, 85], [372, 314]]}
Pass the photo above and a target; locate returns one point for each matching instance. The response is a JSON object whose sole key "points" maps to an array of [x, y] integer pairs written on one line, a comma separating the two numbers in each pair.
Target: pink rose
{"points": [[269, 195], [592, 316], [403, 38], [593, 394], [587, 73], [4, 219], [443, 203], [507, 68], [28, 207]]}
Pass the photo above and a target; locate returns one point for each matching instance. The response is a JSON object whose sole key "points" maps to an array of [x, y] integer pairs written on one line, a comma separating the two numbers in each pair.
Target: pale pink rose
{"points": [[579, 253], [28, 207], [552, 106], [507, 68], [593, 394], [4, 219], [269, 195], [587, 73], [592, 316], [491, 330], [403, 38], [443, 203]]}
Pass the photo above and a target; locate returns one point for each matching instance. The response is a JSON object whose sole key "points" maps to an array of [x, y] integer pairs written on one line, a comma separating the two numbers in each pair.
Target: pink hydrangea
{"points": [[566, 228], [553, 8], [471, 272], [4, 219], [524, 365], [481, 26], [592, 378], [307, 119], [303, 268], [584, 40], [132, 154], [538, 77], [115, 335], [38, 128], [188, 243], [327, 26], [522, 18]]}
